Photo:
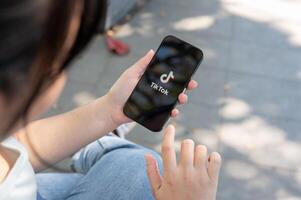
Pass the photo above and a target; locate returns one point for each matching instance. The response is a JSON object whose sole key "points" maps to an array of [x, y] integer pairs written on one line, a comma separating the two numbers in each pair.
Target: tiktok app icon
{"points": [[165, 77]]}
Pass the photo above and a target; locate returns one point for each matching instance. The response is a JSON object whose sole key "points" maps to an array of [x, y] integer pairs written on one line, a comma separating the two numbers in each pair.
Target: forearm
{"points": [[53, 139]]}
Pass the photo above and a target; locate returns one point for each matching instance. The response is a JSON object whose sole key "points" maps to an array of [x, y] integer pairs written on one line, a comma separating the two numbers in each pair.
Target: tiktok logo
{"points": [[165, 78]]}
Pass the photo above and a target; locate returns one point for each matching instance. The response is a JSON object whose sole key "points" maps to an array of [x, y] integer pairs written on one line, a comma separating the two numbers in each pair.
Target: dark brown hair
{"points": [[32, 34]]}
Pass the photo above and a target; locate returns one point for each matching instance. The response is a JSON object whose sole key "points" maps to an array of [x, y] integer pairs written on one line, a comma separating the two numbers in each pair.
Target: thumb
{"points": [[153, 173], [140, 66]]}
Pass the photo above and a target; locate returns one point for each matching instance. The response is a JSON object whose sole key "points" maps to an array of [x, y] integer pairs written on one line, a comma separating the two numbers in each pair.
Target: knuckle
{"points": [[170, 182], [171, 177], [205, 181], [166, 148], [188, 178]]}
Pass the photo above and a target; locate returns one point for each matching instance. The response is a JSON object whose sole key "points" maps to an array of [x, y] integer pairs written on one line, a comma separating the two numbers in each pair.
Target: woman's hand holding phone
{"points": [[123, 87], [195, 177]]}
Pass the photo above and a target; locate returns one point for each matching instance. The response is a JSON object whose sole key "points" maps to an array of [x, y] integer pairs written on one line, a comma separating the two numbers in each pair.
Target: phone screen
{"points": [[166, 76]]}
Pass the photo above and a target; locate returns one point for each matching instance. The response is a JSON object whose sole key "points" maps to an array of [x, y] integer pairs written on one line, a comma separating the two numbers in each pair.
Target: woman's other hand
{"points": [[195, 177]]}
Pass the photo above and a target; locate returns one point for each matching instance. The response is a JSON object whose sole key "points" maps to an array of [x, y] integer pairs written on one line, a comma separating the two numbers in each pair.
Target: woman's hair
{"points": [[32, 35]]}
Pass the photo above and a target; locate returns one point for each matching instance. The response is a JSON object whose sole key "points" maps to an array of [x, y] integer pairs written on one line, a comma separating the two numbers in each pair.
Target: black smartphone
{"points": [[166, 76]]}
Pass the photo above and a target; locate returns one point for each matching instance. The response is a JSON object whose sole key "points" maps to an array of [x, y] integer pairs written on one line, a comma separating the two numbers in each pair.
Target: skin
{"points": [[195, 177]]}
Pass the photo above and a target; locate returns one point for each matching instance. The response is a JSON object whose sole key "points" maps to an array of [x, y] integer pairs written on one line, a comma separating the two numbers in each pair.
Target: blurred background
{"points": [[248, 103]]}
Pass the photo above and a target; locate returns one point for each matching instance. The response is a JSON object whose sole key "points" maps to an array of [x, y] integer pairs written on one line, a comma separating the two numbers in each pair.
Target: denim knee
{"points": [[119, 174]]}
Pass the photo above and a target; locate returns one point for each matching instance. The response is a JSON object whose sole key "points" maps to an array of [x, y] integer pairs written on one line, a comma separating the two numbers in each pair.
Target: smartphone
{"points": [[167, 75]]}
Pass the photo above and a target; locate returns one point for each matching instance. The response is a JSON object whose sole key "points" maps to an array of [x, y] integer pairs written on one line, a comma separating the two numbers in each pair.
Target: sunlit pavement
{"points": [[248, 104]]}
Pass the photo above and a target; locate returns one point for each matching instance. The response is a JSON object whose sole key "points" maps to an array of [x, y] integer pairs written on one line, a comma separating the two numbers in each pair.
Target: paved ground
{"points": [[248, 104]]}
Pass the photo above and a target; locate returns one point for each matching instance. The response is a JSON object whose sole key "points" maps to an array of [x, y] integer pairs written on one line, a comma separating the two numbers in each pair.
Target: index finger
{"points": [[168, 150]]}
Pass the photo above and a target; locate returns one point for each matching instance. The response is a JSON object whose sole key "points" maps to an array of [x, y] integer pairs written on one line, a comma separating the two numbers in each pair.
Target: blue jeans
{"points": [[109, 168]]}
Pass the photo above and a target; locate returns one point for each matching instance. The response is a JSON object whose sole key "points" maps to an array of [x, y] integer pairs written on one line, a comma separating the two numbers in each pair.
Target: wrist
{"points": [[104, 111], [116, 109]]}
